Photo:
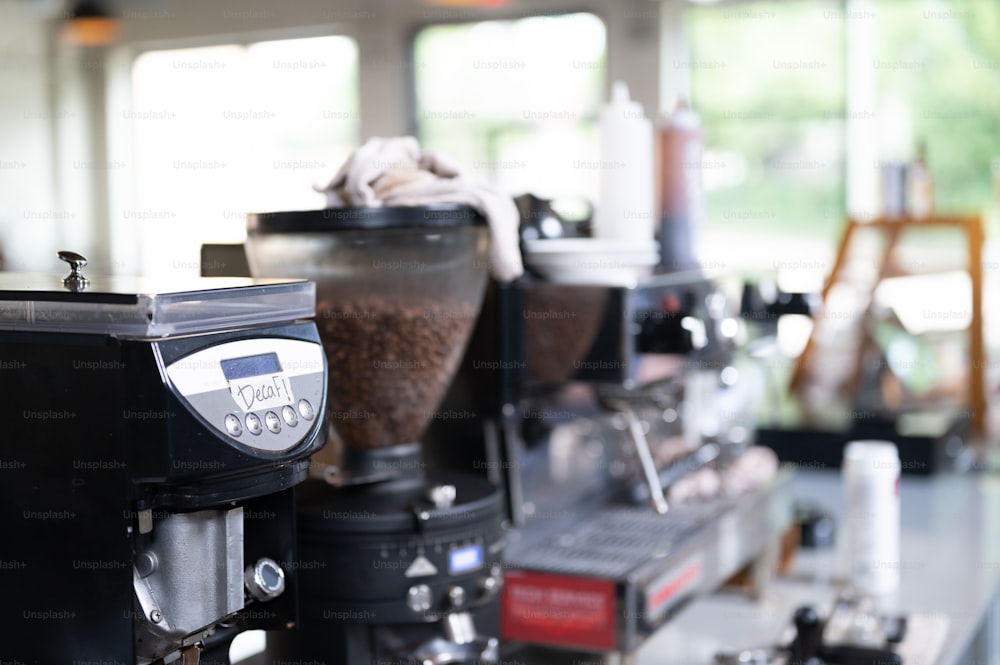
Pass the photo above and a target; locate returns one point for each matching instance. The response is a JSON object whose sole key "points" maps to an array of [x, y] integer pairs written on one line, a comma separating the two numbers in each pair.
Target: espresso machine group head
{"points": [[154, 435]]}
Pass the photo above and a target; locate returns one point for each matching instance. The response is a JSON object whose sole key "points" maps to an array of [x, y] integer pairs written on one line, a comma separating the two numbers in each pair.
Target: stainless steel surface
{"points": [[439, 651], [196, 582], [609, 543], [656, 563], [459, 628]]}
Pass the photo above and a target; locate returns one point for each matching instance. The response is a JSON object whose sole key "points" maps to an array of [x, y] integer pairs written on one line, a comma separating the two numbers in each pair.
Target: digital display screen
{"points": [[465, 559], [241, 368]]}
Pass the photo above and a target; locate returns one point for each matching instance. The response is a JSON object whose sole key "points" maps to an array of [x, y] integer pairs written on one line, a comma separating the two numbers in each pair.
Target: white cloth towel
{"points": [[396, 172]]}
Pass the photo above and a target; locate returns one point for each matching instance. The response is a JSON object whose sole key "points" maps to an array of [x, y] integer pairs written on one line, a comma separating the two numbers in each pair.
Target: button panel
{"points": [[234, 425], [272, 410]]}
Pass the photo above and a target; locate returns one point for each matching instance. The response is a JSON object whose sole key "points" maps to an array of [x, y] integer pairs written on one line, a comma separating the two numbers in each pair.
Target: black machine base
{"points": [[389, 568]]}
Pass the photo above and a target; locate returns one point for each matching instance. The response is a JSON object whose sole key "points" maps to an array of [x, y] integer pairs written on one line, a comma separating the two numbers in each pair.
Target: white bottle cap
{"points": [[621, 104]]}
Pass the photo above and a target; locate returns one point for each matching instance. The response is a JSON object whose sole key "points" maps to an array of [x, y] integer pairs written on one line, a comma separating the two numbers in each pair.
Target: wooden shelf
{"points": [[892, 229]]}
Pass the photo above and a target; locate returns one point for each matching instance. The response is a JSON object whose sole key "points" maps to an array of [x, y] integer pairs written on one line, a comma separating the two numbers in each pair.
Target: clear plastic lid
{"points": [[136, 307]]}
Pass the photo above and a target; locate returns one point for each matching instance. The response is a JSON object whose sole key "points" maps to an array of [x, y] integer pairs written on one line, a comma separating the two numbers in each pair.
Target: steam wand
{"points": [[645, 456]]}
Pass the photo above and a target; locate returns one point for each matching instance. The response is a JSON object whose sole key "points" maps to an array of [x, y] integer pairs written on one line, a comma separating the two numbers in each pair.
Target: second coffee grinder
{"points": [[408, 555]]}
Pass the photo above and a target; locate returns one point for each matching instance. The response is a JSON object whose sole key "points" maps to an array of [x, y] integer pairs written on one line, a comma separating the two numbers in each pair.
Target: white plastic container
{"points": [[626, 207], [871, 519]]}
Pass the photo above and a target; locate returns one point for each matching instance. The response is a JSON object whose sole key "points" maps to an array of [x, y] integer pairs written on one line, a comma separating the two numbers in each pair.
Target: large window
{"points": [[515, 101], [223, 130], [939, 63], [803, 102], [768, 80]]}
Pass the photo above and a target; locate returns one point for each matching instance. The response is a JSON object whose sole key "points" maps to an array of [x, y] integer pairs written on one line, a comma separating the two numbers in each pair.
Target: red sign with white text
{"points": [[558, 609]]}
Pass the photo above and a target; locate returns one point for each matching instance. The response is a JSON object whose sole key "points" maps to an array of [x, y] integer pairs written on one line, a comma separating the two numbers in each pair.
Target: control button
{"points": [[272, 421], [253, 424], [456, 596], [146, 563], [233, 425], [488, 586], [306, 409], [292, 418], [419, 598]]}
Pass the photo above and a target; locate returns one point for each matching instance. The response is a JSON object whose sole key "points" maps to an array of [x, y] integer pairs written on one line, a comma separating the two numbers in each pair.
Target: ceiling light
{"points": [[90, 24]]}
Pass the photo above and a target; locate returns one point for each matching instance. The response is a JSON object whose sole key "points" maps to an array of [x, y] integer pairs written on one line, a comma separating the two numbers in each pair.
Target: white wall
{"points": [[31, 217]]}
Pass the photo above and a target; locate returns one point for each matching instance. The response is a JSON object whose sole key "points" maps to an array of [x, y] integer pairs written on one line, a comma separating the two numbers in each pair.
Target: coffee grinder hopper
{"points": [[398, 293]]}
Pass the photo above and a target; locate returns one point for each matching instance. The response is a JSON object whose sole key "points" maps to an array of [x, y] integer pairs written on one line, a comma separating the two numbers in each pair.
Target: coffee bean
{"points": [[560, 323], [390, 363]]}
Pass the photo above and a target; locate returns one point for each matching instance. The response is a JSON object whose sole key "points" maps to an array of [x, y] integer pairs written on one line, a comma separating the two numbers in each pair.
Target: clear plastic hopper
{"points": [[398, 293]]}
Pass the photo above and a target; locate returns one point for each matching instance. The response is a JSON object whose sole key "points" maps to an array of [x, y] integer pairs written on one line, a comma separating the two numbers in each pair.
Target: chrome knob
{"points": [[419, 598], [265, 580], [442, 496], [456, 596], [75, 280]]}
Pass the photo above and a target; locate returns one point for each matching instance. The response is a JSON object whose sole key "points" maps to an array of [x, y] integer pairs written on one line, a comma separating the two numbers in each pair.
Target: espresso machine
{"points": [[154, 437], [410, 553], [619, 417]]}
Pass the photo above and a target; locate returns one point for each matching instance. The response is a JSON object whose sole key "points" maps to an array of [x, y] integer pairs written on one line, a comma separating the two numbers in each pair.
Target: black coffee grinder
{"points": [[410, 555], [153, 438]]}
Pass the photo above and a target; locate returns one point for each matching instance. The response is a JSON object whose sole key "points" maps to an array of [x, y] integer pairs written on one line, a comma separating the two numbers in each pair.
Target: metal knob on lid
{"points": [[75, 280]]}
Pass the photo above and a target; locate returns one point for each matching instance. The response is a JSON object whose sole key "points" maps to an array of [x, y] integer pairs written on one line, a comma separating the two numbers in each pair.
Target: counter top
{"points": [[949, 564]]}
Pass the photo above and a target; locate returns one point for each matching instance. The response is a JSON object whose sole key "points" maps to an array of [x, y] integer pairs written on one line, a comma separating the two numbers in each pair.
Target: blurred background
{"points": [[136, 131], [140, 149]]}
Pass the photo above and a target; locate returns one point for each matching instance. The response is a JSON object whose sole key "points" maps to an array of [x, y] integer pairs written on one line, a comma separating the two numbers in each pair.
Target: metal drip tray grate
{"points": [[612, 542], [606, 579]]}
